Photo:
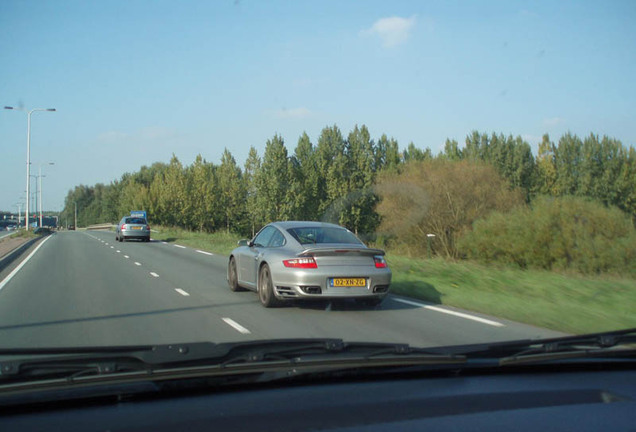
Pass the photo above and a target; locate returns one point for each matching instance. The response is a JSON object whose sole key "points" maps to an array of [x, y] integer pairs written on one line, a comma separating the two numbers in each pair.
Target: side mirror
{"points": [[243, 242]]}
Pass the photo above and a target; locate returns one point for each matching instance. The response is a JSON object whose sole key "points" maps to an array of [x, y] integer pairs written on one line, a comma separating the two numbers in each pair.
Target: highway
{"points": [[85, 289]]}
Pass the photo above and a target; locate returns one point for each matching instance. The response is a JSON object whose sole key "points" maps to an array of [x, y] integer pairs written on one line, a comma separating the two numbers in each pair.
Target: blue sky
{"points": [[135, 81]]}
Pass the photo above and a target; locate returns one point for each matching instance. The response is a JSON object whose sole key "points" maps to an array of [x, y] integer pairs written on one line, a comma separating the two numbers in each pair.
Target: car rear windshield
{"points": [[316, 235], [134, 220]]}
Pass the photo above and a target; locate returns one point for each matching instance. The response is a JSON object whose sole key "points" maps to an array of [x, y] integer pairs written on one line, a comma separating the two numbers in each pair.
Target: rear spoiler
{"points": [[341, 251]]}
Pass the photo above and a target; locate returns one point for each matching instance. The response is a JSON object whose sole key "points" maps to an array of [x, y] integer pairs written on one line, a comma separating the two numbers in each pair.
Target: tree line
{"points": [[337, 179]]}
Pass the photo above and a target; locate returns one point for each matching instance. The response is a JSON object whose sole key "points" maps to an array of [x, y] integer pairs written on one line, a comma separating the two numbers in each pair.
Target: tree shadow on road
{"points": [[118, 316], [417, 290]]}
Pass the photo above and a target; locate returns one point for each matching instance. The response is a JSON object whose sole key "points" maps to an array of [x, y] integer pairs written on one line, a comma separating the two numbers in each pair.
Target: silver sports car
{"points": [[308, 260]]}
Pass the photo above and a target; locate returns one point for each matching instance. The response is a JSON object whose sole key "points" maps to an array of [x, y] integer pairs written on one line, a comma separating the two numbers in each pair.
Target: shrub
{"points": [[565, 233], [439, 197]]}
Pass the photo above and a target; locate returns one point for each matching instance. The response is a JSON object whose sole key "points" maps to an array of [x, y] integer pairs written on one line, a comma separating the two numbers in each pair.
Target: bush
{"points": [[565, 233], [439, 197]]}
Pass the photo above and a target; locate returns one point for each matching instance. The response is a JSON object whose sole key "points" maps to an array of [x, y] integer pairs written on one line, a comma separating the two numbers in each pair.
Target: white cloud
{"points": [[292, 113], [553, 121], [392, 31]]}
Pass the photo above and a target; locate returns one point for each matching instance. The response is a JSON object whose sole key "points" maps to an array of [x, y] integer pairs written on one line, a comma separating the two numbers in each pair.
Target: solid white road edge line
{"points": [[450, 312], [153, 274], [179, 246], [17, 269], [236, 326], [204, 252], [182, 292]]}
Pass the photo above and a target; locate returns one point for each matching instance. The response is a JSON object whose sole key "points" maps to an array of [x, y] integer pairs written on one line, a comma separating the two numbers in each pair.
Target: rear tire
{"points": [[266, 288], [232, 276]]}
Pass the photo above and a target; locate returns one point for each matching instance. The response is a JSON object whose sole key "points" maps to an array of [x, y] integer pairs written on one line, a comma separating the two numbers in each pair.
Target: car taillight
{"points": [[301, 263], [123, 227], [147, 227], [380, 262]]}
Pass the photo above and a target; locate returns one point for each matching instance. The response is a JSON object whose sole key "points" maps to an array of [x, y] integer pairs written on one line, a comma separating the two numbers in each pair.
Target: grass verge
{"points": [[564, 302], [218, 242], [21, 233]]}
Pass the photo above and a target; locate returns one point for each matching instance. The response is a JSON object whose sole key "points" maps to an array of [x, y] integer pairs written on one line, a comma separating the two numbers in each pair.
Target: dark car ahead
{"points": [[130, 227]]}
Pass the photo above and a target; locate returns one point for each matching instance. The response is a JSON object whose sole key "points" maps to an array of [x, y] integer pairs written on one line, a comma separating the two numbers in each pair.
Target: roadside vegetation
{"points": [[530, 238], [22, 233], [221, 242], [568, 302]]}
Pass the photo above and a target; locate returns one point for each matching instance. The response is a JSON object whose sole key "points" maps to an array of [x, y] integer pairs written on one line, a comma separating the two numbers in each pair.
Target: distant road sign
{"points": [[138, 213]]}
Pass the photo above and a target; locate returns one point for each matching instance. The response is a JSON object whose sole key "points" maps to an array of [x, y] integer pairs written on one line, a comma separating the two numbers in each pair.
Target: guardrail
{"points": [[105, 226]]}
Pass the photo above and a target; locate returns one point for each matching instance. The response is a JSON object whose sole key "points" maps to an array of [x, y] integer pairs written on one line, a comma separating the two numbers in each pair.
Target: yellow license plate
{"points": [[348, 282], [136, 227]]}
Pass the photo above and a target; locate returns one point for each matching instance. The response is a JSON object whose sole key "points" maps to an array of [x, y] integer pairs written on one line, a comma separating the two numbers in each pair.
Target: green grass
{"points": [[570, 303], [21, 233], [565, 302], [218, 242]]}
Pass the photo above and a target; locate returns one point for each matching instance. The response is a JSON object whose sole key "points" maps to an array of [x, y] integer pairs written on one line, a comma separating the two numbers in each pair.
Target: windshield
{"points": [[309, 235], [425, 173]]}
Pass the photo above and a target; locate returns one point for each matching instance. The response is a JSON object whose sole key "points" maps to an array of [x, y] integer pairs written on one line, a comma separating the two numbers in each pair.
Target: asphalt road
{"points": [[85, 289]]}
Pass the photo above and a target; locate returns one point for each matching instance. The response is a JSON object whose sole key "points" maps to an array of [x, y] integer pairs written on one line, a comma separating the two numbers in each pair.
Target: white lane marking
{"points": [[236, 326], [126, 256], [204, 252], [106, 244], [17, 269], [137, 263], [182, 292], [112, 247], [118, 251], [450, 312], [164, 242], [153, 274], [179, 246]]}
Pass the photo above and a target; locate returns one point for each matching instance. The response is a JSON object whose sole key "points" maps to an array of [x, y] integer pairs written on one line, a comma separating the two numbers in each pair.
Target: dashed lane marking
{"points": [[182, 292], [236, 326]]}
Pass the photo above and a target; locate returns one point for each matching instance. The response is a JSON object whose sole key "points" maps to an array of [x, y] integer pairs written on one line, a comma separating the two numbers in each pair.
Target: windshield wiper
{"points": [[619, 343], [161, 362]]}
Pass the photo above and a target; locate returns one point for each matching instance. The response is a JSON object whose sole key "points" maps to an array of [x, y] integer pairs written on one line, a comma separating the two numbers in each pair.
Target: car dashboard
{"points": [[581, 400]]}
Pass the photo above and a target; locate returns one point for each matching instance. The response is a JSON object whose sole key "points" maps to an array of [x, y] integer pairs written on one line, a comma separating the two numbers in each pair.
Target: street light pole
{"points": [[28, 161], [40, 187], [19, 206]]}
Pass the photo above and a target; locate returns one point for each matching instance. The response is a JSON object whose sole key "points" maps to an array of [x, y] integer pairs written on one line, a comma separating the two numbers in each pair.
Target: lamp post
{"points": [[28, 161], [19, 206], [40, 187], [34, 195]]}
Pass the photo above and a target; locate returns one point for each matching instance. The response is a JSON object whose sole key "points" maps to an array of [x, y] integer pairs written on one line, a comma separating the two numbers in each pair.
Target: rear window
{"points": [[134, 220], [317, 235]]}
